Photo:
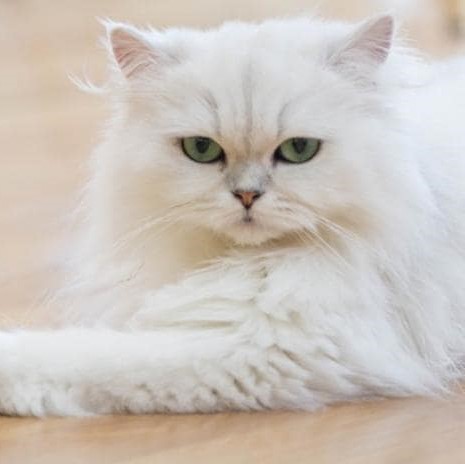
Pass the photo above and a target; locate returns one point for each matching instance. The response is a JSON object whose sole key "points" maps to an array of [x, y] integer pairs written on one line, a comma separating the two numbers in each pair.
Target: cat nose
{"points": [[247, 197]]}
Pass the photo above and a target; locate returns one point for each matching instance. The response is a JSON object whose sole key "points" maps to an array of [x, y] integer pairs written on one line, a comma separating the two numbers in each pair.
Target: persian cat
{"points": [[275, 219]]}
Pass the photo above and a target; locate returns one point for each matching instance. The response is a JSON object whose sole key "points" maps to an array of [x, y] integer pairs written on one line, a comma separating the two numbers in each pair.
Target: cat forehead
{"points": [[272, 63], [261, 96], [277, 58], [290, 35], [251, 107], [235, 49]]}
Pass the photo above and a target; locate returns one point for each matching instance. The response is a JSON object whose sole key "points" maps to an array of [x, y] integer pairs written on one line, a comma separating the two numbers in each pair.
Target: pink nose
{"points": [[247, 198]]}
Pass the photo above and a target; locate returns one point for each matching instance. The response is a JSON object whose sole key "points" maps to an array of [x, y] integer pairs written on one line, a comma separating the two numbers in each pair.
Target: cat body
{"points": [[254, 281]]}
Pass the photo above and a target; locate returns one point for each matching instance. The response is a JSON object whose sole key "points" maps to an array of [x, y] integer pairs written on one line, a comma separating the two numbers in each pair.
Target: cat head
{"points": [[256, 131]]}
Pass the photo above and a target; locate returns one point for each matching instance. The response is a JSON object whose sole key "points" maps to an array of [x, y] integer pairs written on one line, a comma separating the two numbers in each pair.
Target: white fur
{"points": [[349, 282]]}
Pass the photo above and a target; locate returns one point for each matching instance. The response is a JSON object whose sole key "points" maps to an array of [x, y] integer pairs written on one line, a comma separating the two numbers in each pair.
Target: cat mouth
{"points": [[247, 218], [250, 229]]}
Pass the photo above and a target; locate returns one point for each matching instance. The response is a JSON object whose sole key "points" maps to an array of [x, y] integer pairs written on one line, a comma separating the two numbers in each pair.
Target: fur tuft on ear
{"points": [[369, 46], [130, 48]]}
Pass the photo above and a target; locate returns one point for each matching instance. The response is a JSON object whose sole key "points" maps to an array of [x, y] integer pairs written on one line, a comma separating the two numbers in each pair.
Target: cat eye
{"points": [[202, 149], [297, 150]]}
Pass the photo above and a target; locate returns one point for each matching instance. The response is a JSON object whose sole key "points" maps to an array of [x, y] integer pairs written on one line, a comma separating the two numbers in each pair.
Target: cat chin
{"points": [[251, 233]]}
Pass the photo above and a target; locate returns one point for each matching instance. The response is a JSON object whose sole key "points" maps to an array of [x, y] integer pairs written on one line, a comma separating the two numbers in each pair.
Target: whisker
{"points": [[331, 250]]}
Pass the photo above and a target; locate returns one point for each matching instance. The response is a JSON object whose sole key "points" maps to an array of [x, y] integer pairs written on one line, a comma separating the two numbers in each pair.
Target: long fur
{"points": [[348, 283]]}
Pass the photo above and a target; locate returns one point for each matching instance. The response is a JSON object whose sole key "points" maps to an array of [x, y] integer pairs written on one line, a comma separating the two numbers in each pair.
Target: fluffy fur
{"points": [[348, 282]]}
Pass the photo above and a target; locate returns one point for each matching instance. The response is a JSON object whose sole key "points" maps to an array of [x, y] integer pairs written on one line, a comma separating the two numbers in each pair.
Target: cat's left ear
{"points": [[368, 47]]}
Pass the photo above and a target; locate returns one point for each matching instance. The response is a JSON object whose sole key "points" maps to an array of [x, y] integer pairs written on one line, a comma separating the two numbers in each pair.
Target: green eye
{"points": [[298, 150], [202, 149]]}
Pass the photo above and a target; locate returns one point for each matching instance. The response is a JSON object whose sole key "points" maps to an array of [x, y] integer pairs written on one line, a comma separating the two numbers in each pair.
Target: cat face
{"points": [[255, 131]]}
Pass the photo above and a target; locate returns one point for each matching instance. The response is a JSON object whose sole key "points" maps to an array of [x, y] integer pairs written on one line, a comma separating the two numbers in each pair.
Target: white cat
{"points": [[275, 219]]}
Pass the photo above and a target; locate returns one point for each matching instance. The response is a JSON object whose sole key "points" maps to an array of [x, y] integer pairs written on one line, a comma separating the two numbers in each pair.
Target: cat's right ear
{"points": [[131, 50]]}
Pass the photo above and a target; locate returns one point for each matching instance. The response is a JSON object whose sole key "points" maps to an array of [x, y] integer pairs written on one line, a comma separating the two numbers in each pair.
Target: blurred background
{"points": [[47, 127]]}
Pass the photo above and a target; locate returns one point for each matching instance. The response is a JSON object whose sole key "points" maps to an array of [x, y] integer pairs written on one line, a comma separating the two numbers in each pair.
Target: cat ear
{"points": [[131, 50], [369, 46]]}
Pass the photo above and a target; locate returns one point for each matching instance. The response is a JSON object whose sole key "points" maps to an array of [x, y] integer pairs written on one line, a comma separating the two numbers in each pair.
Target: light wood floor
{"points": [[47, 129]]}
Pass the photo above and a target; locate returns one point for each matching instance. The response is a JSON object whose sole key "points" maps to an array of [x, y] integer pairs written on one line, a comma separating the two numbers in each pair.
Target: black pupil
{"points": [[299, 145], [202, 144]]}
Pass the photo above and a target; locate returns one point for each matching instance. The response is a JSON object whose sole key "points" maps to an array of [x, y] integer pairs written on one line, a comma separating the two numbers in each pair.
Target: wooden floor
{"points": [[397, 432], [47, 129]]}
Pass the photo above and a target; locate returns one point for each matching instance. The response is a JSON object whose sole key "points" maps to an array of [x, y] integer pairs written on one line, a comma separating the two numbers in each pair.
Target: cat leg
{"points": [[94, 371], [91, 371]]}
